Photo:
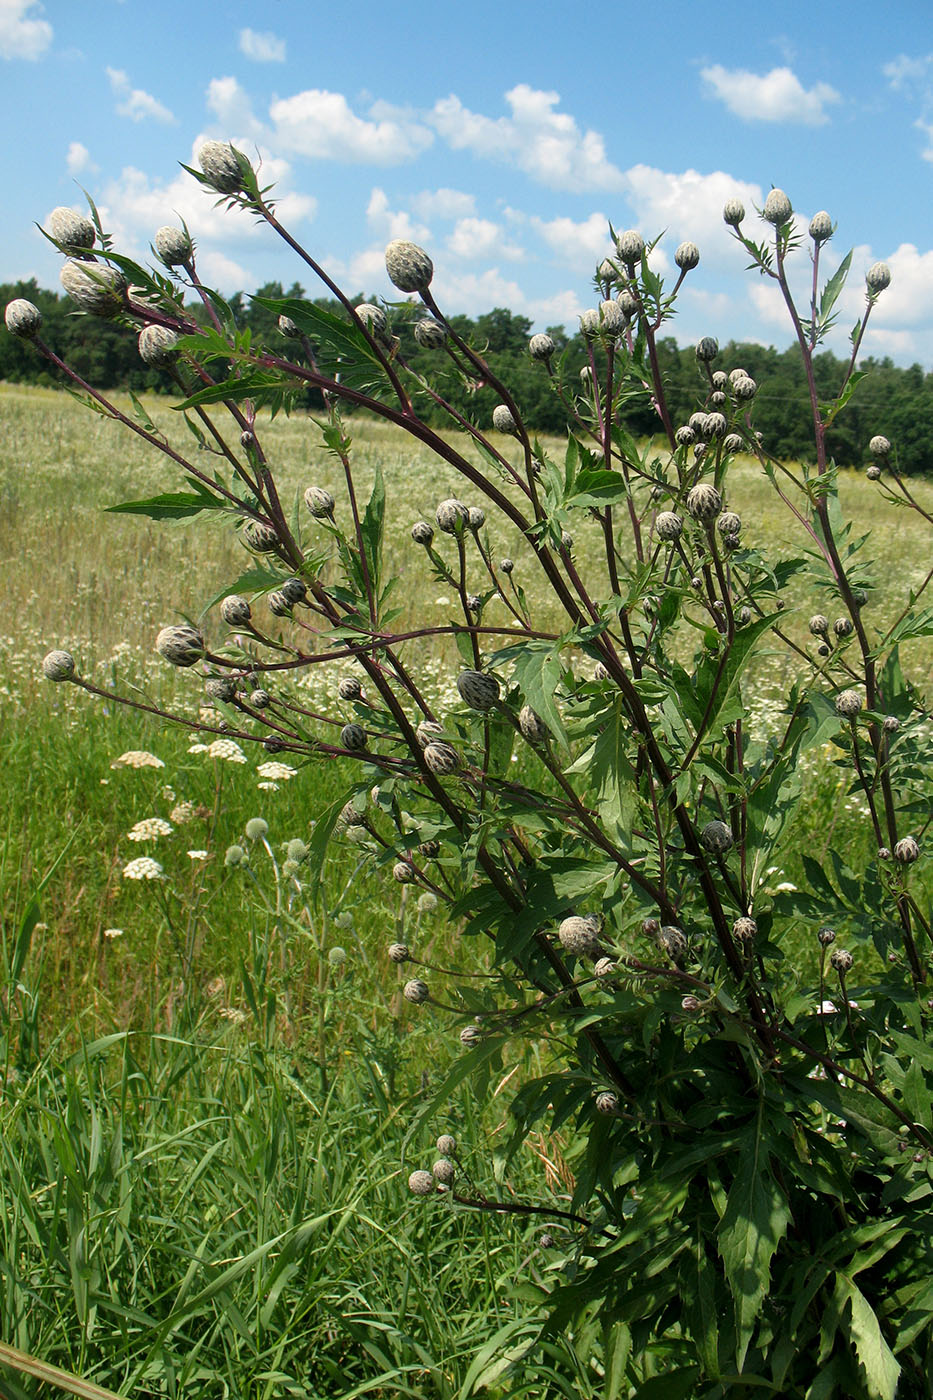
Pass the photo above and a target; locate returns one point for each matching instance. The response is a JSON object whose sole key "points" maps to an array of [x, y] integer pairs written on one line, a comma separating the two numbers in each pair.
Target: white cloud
{"points": [[904, 72], [232, 107], [133, 102], [222, 273], [20, 35], [78, 159], [545, 144], [262, 48], [322, 126], [778, 96], [393, 223], [578, 245], [443, 204], [688, 205], [474, 238]]}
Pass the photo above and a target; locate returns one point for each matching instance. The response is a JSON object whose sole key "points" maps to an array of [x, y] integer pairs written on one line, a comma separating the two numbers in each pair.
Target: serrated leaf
{"points": [[537, 669], [880, 1366], [172, 505], [753, 1226]]}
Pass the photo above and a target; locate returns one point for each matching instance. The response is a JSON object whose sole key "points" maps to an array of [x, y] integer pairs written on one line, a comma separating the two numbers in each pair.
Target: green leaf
{"points": [[878, 1362], [598, 488], [537, 669], [371, 528], [672, 1385], [618, 1348], [834, 286], [173, 505], [753, 1226]]}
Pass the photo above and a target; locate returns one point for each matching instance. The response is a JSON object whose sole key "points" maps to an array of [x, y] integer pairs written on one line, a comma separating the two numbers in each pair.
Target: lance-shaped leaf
{"points": [[173, 505], [878, 1362]]}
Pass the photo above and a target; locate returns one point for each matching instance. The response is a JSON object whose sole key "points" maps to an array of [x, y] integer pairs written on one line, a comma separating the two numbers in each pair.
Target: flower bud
{"points": [[628, 302], [826, 937], [73, 232], [95, 287], [260, 699], [541, 347], [732, 443], [716, 837], [222, 688], [235, 611], [532, 726], [843, 627], [430, 334], [257, 829], [778, 208], [374, 319], [669, 525], [428, 732], [353, 737], [182, 645], [441, 759], [685, 436], [821, 227], [744, 929], [502, 419], [319, 502], [714, 426], [451, 516], [422, 1184], [906, 851], [607, 1102], [819, 625], [444, 1172], [399, 952], [349, 688], [288, 328], [409, 267], [848, 703], [58, 666], [877, 278], [841, 959], [416, 991], [703, 501], [707, 349], [744, 388], [589, 323], [446, 1145], [294, 590], [631, 246], [612, 318], [262, 539], [672, 941], [733, 212], [687, 256], [578, 936], [221, 166], [470, 1037], [403, 873], [158, 345], [278, 604], [604, 967], [890, 724], [879, 446], [22, 318], [173, 246], [729, 523], [478, 689]]}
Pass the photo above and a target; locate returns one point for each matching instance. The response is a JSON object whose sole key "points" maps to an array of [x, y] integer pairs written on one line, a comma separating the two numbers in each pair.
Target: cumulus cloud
{"points": [[262, 48], [78, 159], [322, 126], [474, 238], [688, 204], [21, 34], [914, 78], [578, 244], [545, 144], [393, 223], [232, 107], [134, 103], [778, 96], [443, 204]]}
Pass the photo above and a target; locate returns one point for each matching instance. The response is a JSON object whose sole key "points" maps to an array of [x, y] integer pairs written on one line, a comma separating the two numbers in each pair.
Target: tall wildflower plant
{"points": [[748, 1069]]}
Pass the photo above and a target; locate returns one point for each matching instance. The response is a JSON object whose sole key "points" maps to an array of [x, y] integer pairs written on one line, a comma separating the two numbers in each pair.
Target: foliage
{"points": [[746, 1069]]}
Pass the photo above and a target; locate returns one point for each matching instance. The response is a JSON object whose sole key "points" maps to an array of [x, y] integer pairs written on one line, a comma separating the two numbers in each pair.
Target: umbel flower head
{"points": [[409, 267]]}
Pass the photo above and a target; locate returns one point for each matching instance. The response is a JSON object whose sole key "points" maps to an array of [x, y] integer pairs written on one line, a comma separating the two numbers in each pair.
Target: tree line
{"points": [[890, 400]]}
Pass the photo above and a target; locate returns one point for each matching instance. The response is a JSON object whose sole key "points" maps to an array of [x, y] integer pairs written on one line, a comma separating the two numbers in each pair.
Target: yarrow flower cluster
{"points": [[143, 868]]}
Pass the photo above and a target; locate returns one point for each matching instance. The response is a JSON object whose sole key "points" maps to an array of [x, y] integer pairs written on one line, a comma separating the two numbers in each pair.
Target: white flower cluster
{"points": [[137, 758], [149, 829], [143, 868]]}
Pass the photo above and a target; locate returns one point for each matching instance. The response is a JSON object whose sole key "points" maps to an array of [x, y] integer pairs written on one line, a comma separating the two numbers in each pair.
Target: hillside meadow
{"points": [[213, 1089]]}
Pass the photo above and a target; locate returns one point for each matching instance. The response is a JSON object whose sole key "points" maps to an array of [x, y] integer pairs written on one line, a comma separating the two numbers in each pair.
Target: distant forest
{"points": [[893, 401]]}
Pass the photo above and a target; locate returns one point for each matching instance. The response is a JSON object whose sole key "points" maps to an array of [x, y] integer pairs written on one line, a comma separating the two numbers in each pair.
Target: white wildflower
{"points": [[198, 855], [275, 771], [113, 933], [226, 749], [137, 758], [150, 829], [143, 868], [183, 812]]}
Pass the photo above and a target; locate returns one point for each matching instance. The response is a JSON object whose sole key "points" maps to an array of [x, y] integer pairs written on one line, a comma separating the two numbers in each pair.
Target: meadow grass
{"points": [[204, 1115]]}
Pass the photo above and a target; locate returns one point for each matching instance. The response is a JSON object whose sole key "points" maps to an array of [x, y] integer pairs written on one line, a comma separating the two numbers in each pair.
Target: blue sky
{"points": [[503, 137]]}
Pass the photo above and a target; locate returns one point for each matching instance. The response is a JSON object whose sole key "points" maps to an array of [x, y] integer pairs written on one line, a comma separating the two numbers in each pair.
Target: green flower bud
{"points": [[409, 267], [221, 166], [778, 208]]}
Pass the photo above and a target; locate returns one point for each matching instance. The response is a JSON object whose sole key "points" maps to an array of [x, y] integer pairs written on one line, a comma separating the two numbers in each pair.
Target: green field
{"points": [[208, 1115]]}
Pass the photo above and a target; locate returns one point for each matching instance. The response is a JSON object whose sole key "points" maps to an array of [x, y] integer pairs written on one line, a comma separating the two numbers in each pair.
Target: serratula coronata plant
{"points": [[751, 1112]]}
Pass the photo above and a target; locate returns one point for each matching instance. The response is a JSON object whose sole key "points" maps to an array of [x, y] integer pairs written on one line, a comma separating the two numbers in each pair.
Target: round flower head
{"points": [[336, 956], [441, 759], [578, 936], [687, 256], [430, 334], [173, 246], [477, 518], [353, 737], [451, 516], [319, 502], [234, 855], [221, 166], [685, 436], [422, 533], [611, 317], [906, 851], [877, 278], [707, 348], [428, 732], [744, 388], [826, 937], [350, 816], [628, 302], [507, 565], [606, 272], [630, 246], [733, 212], [416, 991], [22, 318], [374, 318], [349, 688], [841, 959], [672, 940], [446, 1145], [259, 537], [879, 446], [502, 419], [669, 525], [95, 287], [744, 929], [819, 625], [235, 611], [531, 725], [843, 627], [409, 267], [444, 1171], [260, 699], [72, 231], [607, 1102], [541, 347], [402, 872], [821, 227], [848, 703], [778, 208], [422, 1184], [294, 590], [478, 689], [158, 345], [222, 688], [470, 1037], [399, 952], [257, 828], [182, 645], [732, 443], [589, 323], [716, 837], [714, 426], [279, 605], [729, 523], [890, 724], [58, 666], [703, 501]]}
